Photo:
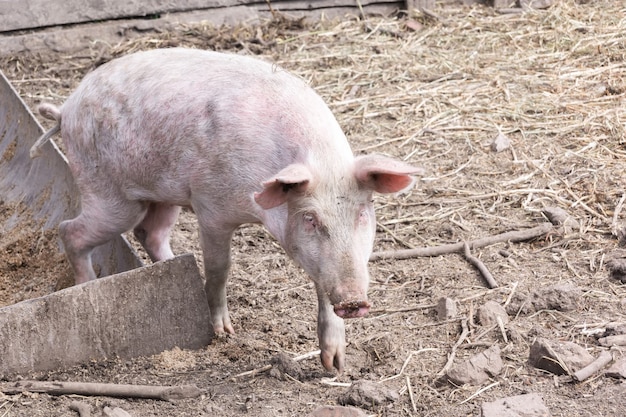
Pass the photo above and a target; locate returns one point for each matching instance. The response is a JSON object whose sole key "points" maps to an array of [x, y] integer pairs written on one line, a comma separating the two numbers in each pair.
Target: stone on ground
{"points": [[558, 357], [477, 369]]}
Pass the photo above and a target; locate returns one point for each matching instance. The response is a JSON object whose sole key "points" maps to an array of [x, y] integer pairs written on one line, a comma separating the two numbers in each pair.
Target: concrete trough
{"points": [[135, 313]]}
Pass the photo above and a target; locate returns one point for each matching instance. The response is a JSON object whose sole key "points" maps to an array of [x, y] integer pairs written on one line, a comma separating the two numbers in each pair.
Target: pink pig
{"points": [[239, 141]]}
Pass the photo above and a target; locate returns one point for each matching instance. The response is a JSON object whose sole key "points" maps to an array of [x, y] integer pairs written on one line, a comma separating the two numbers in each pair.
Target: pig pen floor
{"points": [[435, 92]]}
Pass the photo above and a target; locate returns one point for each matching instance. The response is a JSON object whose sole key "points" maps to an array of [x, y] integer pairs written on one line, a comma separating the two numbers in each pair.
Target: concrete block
{"points": [[140, 312]]}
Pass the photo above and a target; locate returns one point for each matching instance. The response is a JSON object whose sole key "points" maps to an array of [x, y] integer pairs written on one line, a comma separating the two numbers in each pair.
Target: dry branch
{"points": [[601, 361], [615, 340], [478, 264], [156, 392], [513, 236]]}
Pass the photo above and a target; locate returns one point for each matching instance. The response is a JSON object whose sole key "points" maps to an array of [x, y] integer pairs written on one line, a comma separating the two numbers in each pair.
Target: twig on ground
{"points": [[83, 409], [513, 236], [157, 392], [307, 355], [510, 296], [253, 372], [601, 361], [403, 309], [393, 235], [480, 391], [406, 363], [266, 368], [502, 329], [410, 389], [478, 264], [458, 343]]}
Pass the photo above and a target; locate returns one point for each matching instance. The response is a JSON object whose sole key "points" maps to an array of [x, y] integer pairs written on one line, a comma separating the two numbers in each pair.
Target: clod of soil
{"points": [[367, 394], [283, 367], [617, 269], [489, 312], [446, 308], [617, 370], [527, 405], [478, 368], [560, 297], [558, 357]]}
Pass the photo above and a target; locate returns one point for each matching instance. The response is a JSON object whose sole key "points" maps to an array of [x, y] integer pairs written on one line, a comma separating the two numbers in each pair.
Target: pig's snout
{"points": [[352, 309]]}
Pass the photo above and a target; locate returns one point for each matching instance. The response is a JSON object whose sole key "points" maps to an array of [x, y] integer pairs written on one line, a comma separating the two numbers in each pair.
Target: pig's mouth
{"points": [[352, 309]]}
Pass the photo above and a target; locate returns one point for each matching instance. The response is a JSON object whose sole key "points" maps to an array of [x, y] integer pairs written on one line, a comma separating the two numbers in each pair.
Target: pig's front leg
{"points": [[331, 333], [216, 254]]}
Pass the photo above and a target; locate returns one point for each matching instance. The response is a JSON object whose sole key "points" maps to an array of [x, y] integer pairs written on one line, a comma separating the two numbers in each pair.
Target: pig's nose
{"points": [[351, 309]]}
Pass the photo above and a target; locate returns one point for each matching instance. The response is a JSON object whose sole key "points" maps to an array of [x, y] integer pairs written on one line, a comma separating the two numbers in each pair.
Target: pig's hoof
{"points": [[351, 309], [333, 360], [221, 337]]}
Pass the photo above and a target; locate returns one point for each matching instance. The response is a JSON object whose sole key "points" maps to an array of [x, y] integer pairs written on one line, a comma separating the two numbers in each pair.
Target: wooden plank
{"points": [[30, 14], [420, 4], [326, 4]]}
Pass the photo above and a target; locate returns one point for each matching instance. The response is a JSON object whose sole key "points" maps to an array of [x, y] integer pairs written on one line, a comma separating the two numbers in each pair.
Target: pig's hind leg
{"points": [[154, 230], [100, 220]]}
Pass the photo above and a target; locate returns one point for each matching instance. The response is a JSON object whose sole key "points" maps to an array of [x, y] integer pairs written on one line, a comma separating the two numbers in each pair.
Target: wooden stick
{"points": [[601, 361], [478, 264], [615, 340], [458, 343], [514, 236], [157, 392], [83, 410], [253, 372]]}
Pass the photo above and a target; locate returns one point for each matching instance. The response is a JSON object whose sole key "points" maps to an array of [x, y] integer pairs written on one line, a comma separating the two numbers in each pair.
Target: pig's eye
{"points": [[309, 220]]}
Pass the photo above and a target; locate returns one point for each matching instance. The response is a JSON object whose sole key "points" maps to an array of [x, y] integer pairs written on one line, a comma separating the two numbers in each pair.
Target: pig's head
{"points": [[330, 224]]}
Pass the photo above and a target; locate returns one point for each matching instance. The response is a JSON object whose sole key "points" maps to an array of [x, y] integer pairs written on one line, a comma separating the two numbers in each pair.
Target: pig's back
{"points": [[161, 118]]}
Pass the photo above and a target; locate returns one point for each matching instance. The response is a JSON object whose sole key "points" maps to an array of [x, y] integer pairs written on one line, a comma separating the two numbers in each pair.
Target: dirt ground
{"points": [[435, 92]]}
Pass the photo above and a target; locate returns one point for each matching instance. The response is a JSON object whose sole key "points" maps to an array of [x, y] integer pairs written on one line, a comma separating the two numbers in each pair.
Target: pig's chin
{"points": [[352, 309]]}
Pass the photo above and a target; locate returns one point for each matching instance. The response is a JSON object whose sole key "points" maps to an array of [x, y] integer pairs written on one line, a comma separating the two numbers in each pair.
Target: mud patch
{"points": [[31, 263]]}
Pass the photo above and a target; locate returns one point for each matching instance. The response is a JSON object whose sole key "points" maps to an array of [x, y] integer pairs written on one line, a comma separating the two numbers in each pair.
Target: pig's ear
{"points": [[293, 178], [384, 175]]}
